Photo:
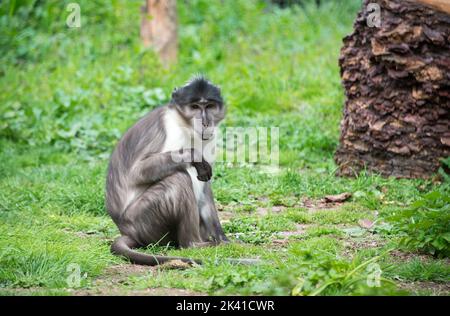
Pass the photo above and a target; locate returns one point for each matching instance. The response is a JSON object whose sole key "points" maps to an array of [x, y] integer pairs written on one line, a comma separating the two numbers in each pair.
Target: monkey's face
{"points": [[203, 116], [200, 104]]}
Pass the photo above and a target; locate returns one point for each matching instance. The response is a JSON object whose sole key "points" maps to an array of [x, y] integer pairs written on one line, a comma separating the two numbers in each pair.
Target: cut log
{"points": [[159, 28], [397, 85]]}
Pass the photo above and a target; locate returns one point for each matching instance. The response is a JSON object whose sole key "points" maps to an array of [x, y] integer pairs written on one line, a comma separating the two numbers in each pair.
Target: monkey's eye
{"points": [[195, 107], [210, 106]]}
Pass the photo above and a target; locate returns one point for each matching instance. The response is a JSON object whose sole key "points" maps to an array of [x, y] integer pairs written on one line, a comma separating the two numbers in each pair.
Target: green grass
{"points": [[418, 270], [68, 95]]}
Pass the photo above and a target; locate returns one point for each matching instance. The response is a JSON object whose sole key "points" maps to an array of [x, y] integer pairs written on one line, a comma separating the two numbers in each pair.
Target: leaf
{"points": [[446, 236], [354, 231], [365, 223], [298, 289]]}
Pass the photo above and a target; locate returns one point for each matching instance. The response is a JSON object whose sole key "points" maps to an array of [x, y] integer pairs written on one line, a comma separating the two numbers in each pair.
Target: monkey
{"points": [[157, 187]]}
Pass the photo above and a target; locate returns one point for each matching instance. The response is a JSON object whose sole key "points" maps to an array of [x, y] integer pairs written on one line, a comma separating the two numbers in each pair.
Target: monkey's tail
{"points": [[123, 246]]}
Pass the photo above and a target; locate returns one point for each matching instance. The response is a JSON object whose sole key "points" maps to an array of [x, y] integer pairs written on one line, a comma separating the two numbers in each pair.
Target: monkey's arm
{"points": [[154, 167]]}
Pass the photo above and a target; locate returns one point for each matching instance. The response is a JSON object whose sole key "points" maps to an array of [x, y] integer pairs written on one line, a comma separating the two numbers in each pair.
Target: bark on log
{"points": [[397, 85], [159, 28], [442, 5]]}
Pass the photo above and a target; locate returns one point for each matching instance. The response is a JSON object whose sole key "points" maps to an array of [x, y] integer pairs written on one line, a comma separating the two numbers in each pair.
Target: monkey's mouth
{"points": [[207, 134]]}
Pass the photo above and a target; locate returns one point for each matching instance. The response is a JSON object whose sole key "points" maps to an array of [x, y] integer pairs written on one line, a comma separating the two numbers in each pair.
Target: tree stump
{"points": [[396, 119], [159, 28]]}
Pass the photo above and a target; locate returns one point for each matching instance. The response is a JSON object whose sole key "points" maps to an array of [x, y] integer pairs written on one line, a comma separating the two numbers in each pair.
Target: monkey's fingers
{"points": [[210, 172], [208, 169]]}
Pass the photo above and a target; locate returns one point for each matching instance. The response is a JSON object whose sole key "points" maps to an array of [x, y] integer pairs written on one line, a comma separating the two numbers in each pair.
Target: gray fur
{"points": [[150, 196]]}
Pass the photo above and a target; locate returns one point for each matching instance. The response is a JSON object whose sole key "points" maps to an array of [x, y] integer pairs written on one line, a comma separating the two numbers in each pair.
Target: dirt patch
{"points": [[329, 202], [225, 216], [433, 288], [318, 205], [283, 237], [115, 279], [352, 245], [263, 211], [364, 243], [400, 256], [263, 199], [129, 292], [127, 269], [30, 291], [175, 265], [102, 291], [112, 282], [119, 274]]}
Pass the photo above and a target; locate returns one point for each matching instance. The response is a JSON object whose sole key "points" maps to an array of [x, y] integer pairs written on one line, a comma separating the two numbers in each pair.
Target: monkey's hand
{"points": [[204, 170]]}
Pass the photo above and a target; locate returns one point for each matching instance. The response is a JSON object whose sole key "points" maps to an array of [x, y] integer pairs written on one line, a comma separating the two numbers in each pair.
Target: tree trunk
{"points": [[397, 85], [159, 28], [442, 5]]}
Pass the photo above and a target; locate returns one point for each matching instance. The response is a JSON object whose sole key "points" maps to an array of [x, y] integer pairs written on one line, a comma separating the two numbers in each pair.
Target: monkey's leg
{"points": [[210, 227], [188, 231], [166, 212]]}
